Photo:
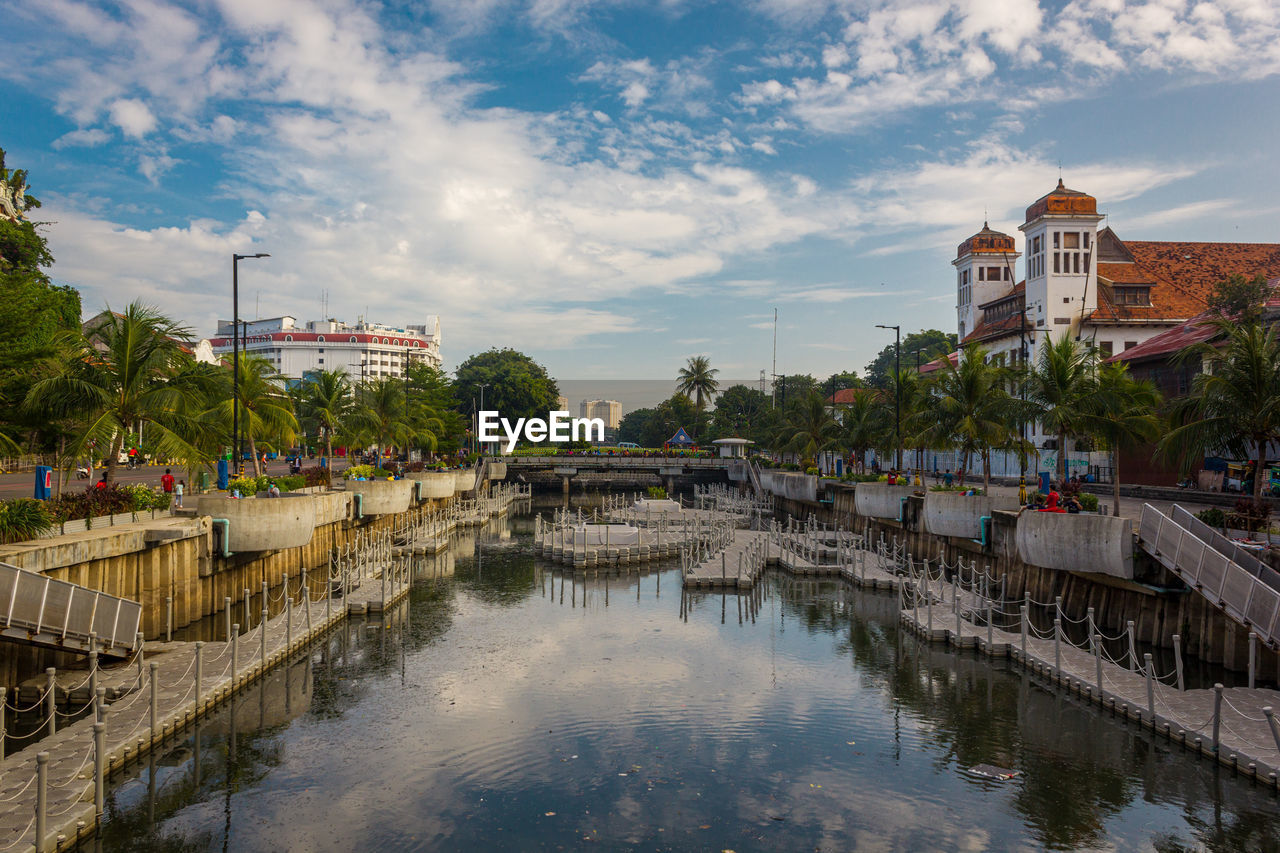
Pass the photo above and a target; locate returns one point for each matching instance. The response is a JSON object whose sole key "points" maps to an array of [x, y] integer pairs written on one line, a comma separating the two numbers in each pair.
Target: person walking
{"points": [[177, 493], [166, 481]]}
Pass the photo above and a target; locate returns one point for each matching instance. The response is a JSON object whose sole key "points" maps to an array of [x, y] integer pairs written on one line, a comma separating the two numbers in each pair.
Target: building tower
{"points": [[1062, 282], [985, 270]]}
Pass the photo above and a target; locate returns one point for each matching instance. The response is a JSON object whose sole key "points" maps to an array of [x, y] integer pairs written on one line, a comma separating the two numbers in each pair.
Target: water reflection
{"points": [[510, 704]]}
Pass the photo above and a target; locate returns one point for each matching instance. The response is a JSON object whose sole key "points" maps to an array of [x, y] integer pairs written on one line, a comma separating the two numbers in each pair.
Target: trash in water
{"points": [[988, 771]]}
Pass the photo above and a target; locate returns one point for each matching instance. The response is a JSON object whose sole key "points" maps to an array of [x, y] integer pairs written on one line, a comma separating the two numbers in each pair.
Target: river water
{"points": [[502, 707]]}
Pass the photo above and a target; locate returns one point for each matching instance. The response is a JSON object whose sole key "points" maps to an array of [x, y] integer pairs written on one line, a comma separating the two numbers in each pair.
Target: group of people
{"points": [[1055, 502]]}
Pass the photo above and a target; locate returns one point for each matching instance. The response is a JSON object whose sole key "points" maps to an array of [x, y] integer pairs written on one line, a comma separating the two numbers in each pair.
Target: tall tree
{"points": [[516, 385], [865, 422], [328, 401], [697, 380], [1240, 298], [1234, 404], [809, 429], [1062, 390], [1124, 416], [970, 409], [930, 343], [634, 425], [121, 372], [739, 411]]}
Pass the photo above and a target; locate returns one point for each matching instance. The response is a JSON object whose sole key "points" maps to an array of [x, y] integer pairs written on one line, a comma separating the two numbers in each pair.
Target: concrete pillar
{"points": [[564, 484]]}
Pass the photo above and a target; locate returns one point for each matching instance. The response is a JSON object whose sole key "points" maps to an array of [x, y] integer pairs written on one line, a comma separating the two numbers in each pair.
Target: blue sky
{"points": [[613, 186]]}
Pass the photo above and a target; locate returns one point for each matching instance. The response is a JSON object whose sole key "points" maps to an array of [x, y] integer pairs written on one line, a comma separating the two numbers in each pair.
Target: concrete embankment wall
{"points": [[185, 563], [1159, 605]]}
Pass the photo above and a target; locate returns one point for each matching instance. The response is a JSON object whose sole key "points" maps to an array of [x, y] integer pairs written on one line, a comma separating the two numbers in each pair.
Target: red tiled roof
{"points": [[1181, 275], [936, 364], [1193, 331], [987, 241], [1061, 200], [987, 330]]}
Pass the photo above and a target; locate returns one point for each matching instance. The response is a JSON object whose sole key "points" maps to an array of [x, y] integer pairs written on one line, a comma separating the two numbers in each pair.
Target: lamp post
{"points": [[479, 443], [1022, 451], [235, 358], [897, 390]]}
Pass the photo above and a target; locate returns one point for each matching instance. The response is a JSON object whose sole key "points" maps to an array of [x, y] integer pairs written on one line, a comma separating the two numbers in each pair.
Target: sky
{"points": [[615, 186]]}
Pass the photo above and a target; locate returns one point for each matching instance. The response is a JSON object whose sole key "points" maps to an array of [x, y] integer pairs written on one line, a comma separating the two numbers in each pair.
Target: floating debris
{"points": [[988, 771]]}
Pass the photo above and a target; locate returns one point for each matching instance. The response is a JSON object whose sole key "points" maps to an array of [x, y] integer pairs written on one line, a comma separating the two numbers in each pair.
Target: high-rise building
{"points": [[609, 411]]}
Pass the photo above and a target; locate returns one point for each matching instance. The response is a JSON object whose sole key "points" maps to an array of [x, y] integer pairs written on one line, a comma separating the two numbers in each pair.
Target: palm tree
{"points": [[1234, 404], [266, 411], [864, 423], [391, 421], [124, 371], [1125, 416], [809, 428], [328, 402], [1062, 390], [697, 380], [970, 409]]}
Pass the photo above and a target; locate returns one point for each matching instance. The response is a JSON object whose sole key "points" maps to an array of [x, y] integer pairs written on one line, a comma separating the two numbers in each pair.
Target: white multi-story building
{"points": [[609, 411], [365, 350], [1086, 283]]}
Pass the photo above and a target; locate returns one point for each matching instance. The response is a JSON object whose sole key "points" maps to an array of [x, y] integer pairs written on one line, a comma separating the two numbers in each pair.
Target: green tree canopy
{"points": [[930, 343], [517, 386], [1240, 298], [697, 380], [741, 411], [634, 426]]}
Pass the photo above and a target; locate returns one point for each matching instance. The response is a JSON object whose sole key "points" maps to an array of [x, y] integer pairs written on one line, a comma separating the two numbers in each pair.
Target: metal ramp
{"points": [[1234, 581], [41, 611]]}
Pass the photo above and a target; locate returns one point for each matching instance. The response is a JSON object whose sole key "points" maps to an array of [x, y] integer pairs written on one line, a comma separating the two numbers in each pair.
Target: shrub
{"points": [[1088, 501], [1250, 515], [146, 498], [90, 503], [956, 488], [657, 493], [1213, 517], [811, 470], [861, 478], [317, 476], [22, 519], [291, 482], [247, 486]]}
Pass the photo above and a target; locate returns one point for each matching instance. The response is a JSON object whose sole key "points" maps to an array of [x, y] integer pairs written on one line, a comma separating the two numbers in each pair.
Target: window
{"points": [[396, 342], [386, 341], [1066, 299], [319, 339], [288, 338], [1105, 348], [351, 340], [982, 274], [1084, 237], [415, 343], [1132, 295], [321, 349], [1061, 321], [1056, 237], [993, 273], [320, 360], [1130, 344], [1055, 262], [1071, 240]]}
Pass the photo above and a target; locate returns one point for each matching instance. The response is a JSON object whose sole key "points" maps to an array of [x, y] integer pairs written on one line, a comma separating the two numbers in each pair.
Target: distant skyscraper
{"points": [[609, 411], [562, 403]]}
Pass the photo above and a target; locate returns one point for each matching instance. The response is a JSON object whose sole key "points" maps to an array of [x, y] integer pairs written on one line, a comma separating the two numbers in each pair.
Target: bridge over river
{"points": [[615, 470]]}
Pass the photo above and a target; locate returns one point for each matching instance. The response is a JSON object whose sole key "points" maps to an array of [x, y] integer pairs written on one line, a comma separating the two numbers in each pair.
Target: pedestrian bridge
{"points": [[42, 611]]}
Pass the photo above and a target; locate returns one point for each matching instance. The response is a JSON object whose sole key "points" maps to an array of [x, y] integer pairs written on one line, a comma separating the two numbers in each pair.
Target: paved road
{"points": [[23, 485]]}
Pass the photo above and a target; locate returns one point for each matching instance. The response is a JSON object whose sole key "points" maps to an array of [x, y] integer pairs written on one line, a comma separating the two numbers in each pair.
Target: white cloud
{"points": [[87, 137], [133, 117]]}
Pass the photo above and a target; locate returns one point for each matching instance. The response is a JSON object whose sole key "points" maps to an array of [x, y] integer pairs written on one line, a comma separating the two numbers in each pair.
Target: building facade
{"points": [[367, 351], [609, 411], [1085, 282]]}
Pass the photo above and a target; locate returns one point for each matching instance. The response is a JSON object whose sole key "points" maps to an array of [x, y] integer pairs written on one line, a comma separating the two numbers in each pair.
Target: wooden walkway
{"points": [[129, 731], [734, 567], [1246, 742]]}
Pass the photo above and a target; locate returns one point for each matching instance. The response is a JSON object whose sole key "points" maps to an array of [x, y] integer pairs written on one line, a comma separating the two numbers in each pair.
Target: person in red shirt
{"points": [[101, 484], [166, 481]]}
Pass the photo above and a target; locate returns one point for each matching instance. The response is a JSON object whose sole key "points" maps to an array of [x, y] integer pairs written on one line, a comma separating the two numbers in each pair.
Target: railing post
{"points": [[3, 697], [1177, 659], [226, 606], [42, 800], [99, 767], [1133, 650], [1057, 644], [235, 655], [262, 645], [288, 624], [1217, 715], [199, 676], [100, 705], [1148, 667], [51, 698], [1097, 661], [168, 619], [155, 700], [1275, 727], [1253, 656]]}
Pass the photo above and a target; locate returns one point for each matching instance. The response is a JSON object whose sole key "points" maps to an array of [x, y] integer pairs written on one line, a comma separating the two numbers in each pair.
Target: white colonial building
{"points": [[1087, 283], [365, 350]]}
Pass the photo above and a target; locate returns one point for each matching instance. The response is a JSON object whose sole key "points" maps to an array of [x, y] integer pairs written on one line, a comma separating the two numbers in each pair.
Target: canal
{"points": [[503, 706]]}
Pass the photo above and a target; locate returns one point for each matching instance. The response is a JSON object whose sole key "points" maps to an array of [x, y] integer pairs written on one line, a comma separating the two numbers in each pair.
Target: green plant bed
{"points": [[366, 472], [657, 493], [954, 488], [22, 519]]}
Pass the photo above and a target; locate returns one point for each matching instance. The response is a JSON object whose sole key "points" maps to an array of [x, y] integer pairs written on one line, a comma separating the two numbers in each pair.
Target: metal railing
{"points": [[39, 609], [1228, 586]]}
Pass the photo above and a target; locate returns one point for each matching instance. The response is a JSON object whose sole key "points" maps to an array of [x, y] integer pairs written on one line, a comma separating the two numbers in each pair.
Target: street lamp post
{"points": [[897, 389], [479, 443], [235, 358]]}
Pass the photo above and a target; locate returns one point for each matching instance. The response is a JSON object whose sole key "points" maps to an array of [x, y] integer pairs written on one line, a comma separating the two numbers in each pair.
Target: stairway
{"points": [[1233, 580], [41, 611]]}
